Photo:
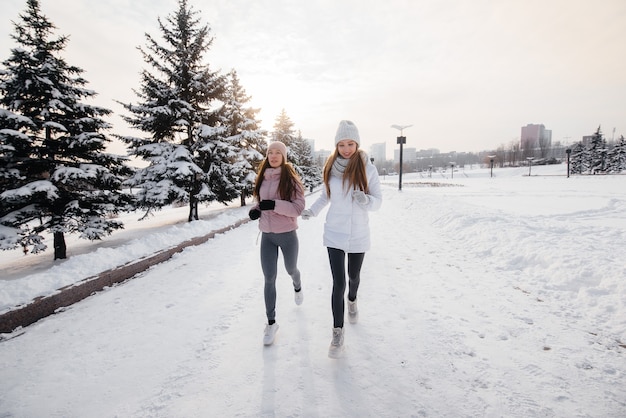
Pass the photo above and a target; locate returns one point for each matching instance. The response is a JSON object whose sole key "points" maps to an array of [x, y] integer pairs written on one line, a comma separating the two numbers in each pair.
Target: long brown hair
{"points": [[354, 174], [289, 180]]}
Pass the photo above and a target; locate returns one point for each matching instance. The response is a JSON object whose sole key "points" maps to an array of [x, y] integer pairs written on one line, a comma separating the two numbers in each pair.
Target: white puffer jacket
{"points": [[347, 222]]}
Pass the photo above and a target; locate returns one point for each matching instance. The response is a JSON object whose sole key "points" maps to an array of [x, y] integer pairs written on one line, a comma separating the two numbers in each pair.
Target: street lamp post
{"points": [[530, 164], [401, 141], [568, 151], [491, 157]]}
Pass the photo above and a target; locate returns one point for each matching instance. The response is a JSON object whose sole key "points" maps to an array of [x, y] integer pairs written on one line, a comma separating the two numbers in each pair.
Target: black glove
{"points": [[267, 204], [254, 214]]}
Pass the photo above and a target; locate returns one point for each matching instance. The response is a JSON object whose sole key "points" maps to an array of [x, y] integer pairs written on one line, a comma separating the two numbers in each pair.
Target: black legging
{"points": [[337, 260]]}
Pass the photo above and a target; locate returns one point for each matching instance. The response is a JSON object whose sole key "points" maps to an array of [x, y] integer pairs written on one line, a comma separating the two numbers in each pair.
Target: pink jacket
{"points": [[284, 217]]}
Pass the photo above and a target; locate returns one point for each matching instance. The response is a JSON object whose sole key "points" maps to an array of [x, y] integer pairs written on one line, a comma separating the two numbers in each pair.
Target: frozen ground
{"points": [[492, 297]]}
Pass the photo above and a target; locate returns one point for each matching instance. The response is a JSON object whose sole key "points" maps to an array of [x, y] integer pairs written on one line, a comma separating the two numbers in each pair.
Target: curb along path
{"points": [[44, 306]]}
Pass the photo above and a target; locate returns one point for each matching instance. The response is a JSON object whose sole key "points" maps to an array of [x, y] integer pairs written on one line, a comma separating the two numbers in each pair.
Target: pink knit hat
{"points": [[280, 147]]}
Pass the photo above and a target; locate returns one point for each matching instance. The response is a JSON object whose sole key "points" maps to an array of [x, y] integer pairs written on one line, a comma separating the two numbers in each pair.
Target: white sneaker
{"points": [[336, 345], [353, 312], [298, 297], [270, 333]]}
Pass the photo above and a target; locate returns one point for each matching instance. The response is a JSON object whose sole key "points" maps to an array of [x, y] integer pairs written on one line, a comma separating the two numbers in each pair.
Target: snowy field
{"points": [[481, 297]]}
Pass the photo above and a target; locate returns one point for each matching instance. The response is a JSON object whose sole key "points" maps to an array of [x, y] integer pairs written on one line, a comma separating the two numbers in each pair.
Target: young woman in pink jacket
{"points": [[280, 196]]}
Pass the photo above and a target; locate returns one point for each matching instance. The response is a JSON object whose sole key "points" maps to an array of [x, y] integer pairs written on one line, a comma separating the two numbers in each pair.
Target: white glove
{"points": [[360, 197], [306, 214]]}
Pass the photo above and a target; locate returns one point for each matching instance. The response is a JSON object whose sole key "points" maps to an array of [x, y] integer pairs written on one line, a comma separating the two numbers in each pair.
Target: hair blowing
{"points": [[287, 184], [354, 174]]}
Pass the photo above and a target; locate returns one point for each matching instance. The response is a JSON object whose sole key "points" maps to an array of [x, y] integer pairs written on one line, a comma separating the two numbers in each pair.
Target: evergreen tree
{"points": [[597, 153], [304, 162], [55, 175], [617, 156], [180, 109], [299, 151], [283, 130], [244, 133], [578, 159]]}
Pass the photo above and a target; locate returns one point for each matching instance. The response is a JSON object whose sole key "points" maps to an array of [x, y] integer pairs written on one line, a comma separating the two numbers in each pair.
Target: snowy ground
{"points": [[498, 297], [27, 277]]}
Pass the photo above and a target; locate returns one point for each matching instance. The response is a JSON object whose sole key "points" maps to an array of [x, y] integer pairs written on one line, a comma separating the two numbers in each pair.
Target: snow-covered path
{"points": [[460, 315]]}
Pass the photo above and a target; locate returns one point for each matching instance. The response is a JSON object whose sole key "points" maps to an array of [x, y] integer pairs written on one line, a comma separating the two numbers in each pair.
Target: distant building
{"points": [[378, 152], [409, 155], [535, 137], [587, 139], [425, 153]]}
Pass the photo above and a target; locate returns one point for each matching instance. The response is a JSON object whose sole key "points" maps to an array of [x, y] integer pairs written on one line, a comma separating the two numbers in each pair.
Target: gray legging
{"points": [[288, 244], [337, 260]]}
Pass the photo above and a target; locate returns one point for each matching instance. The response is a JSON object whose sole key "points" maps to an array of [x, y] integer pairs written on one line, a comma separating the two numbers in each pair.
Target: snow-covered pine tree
{"points": [[304, 162], [579, 159], [617, 156], [179, 107], [283, 130], [244, 133], [299, 151], [55, 175], [597, 153]]}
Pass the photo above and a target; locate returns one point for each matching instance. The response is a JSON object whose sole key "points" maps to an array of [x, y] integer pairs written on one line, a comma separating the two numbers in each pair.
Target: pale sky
{"points": [[467, 74]]}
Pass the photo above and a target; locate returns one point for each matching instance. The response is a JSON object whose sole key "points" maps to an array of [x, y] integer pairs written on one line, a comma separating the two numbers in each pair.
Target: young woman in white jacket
{"points": [[352, 188]]}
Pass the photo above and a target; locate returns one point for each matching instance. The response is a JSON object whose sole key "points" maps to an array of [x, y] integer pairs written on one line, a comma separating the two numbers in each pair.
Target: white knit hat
{"points": [[347, 130]]}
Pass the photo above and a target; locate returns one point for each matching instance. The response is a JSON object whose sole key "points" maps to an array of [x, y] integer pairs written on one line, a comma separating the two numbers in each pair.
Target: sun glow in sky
{"points": [[466, 74]]}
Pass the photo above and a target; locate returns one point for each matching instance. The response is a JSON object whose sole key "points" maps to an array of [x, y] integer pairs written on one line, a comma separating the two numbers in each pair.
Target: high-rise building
{"points": [[409, 155], [535, 136], [379, 152]]}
